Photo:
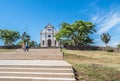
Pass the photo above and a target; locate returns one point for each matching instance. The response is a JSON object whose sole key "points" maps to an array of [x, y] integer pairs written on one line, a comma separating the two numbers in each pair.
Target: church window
{"points": [[43, 42], [49, 35], [49, 29]]}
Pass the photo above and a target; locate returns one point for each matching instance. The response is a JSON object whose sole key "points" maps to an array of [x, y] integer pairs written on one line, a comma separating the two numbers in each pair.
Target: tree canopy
{"points": [[25, 37], [9, 36], [77, 33]]}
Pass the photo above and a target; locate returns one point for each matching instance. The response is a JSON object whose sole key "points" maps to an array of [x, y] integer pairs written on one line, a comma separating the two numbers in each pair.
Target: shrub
{"points": [[110, 49]]}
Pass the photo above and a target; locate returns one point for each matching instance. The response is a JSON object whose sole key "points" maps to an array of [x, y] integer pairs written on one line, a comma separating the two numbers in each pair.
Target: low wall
{"points": [[96, 48], [19, 46], [10, 47]]}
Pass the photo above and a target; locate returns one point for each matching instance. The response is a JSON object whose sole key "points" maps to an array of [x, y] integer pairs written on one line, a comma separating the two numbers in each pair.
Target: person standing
{"points": [[27, 47], [24, 46]]}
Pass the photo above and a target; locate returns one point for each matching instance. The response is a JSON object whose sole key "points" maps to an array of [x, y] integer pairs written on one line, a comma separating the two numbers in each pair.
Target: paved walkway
{"points": [[33, 54]]}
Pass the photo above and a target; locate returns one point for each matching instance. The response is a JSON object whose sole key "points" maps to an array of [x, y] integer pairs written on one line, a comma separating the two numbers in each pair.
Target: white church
{"points": [[48, 37]]}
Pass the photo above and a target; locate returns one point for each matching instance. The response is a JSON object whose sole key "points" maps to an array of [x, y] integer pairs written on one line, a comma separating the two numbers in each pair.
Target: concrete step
{"points": [[53, 70], [38, 74], [27, 56], [10, 78], [34, 64]]}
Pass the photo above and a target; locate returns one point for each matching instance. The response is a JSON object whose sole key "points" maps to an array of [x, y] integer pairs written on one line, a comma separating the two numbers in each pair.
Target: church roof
{"points": [[49, 26]]}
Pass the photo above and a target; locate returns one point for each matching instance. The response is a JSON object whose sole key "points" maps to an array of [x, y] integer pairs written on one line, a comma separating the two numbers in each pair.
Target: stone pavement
{"points": [[33, 54], [35, 65]]}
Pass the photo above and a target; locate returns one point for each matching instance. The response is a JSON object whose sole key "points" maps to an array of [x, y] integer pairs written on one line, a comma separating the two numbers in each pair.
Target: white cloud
{"points": [[114, 43], [107, 21]]}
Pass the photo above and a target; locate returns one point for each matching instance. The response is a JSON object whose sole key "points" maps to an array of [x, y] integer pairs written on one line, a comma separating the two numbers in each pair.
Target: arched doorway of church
{"points": [[49, 42]]}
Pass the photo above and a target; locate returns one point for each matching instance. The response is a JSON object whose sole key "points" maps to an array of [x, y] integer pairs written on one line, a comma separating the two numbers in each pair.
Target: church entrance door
{"points": [[49, 43]]}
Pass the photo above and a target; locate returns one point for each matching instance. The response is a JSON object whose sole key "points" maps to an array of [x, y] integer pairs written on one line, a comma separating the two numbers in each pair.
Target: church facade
{"points": [[48, 37]]}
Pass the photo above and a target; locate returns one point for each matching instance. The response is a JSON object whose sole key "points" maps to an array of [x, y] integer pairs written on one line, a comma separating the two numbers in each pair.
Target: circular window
{"points": [[49, 35]]}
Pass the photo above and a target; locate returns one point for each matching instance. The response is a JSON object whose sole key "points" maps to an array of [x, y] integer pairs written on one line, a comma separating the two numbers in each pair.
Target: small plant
{"points": [[110, 49]]}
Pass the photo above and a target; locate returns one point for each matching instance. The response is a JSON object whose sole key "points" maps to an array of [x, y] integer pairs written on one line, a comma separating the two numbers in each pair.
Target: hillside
{"points": [[94, 65]]}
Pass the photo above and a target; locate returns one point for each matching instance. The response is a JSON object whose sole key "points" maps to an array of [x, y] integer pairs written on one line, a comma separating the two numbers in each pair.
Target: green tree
{"points": [[118, 45], [33, 43], [105, 37], [9, 37], [20, 42], [77, 33], [25, 37]]}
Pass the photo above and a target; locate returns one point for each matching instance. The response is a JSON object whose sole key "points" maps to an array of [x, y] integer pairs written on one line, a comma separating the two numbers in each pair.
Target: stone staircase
{"points": [[35, 70]]}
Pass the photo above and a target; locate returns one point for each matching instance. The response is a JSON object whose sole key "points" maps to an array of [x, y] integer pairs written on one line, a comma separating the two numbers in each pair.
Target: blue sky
{"points": [[36, 14]]}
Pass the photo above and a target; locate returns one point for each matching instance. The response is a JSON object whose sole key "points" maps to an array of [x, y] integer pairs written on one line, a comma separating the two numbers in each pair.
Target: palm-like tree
{"points": [[105, 37], [25, 37]]}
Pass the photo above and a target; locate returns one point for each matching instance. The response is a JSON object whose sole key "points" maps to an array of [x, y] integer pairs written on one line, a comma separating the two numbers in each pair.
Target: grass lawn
{"points": [[7, 50], [94, 65]]}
